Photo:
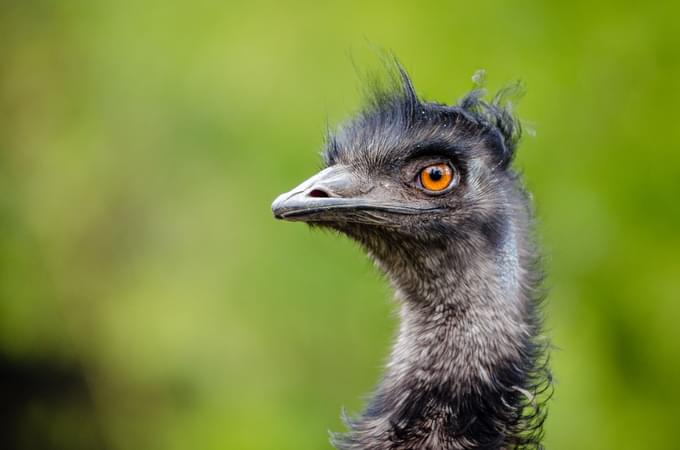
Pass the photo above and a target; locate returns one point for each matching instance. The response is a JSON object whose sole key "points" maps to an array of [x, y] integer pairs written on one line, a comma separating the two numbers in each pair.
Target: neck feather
{"points": [[465, 370]]}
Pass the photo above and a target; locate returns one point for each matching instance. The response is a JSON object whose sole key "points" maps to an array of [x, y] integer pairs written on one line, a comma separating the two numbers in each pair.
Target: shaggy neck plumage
{"points": [[464, 369]]}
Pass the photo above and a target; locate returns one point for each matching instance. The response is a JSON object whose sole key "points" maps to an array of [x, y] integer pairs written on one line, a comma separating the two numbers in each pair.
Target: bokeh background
{"points": [[150, 301]]}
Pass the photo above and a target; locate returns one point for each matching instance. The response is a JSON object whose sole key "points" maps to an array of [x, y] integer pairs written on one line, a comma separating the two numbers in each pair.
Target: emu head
{"points": [[409, 176]]}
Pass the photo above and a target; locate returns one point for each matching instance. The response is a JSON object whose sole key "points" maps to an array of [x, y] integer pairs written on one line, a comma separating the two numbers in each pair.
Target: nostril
{"points": [[317, 193]]}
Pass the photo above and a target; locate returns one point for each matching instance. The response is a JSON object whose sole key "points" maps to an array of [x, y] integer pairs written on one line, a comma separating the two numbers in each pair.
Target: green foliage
{"points": [[141, 144]]}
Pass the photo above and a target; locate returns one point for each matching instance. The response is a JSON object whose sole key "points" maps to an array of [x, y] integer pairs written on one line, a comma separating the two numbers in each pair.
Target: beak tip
{"points": [[277, 207]]}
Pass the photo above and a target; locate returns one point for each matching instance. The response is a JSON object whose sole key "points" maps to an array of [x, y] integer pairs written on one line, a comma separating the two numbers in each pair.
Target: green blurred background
{"points": [[150, 301]]}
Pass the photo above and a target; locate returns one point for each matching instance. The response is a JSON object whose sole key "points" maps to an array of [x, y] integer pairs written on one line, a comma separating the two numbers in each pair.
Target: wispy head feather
{"points": [[391, 102]]}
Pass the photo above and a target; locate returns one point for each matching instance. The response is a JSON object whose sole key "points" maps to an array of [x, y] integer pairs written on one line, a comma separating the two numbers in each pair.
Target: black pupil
{"points": [[436, 174]]}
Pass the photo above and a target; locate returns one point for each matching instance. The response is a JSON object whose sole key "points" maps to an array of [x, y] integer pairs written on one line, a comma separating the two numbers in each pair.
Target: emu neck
{"points": [[458, 321], [459, 374]]}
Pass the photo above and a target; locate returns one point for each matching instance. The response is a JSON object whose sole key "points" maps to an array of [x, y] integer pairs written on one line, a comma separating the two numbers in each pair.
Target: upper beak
{"points": [[333, 192], [332, 188]]}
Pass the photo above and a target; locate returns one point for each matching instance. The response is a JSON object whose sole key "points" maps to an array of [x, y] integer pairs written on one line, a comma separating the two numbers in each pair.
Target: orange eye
{"points": [[436, 177]]}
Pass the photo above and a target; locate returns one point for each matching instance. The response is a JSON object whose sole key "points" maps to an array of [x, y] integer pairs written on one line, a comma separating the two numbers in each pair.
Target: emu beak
{"points": [[331, 189], [336, 194]]}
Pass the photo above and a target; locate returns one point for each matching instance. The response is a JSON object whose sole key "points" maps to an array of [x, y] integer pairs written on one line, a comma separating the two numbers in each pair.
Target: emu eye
{"points": [[436, 177]]}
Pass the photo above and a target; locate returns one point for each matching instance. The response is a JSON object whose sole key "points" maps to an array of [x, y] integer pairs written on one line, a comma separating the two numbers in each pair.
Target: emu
{"points": [[427, 189]]}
